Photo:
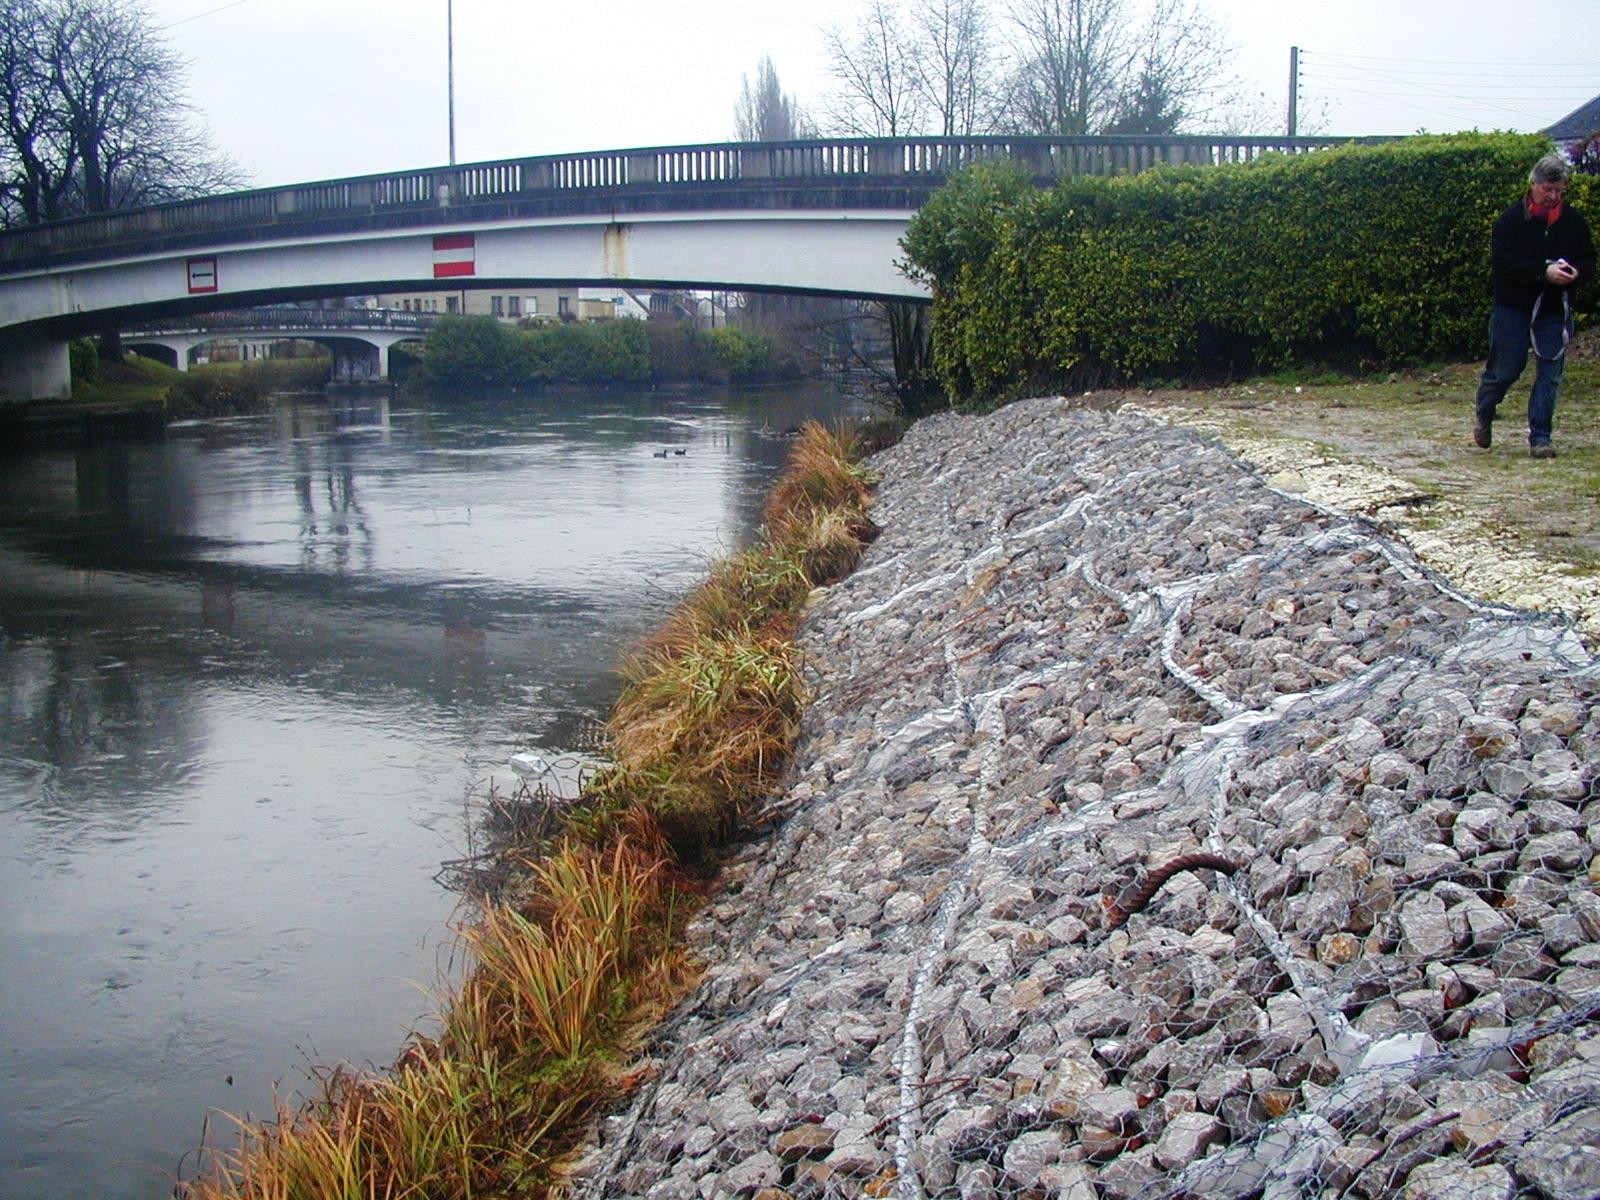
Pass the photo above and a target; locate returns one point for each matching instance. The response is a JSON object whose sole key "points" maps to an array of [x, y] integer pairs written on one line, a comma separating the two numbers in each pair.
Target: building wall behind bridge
{"points": [[508, 304]]}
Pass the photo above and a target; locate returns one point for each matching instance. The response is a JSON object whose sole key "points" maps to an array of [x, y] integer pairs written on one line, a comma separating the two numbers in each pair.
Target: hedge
{"points": [[1359, 255]]}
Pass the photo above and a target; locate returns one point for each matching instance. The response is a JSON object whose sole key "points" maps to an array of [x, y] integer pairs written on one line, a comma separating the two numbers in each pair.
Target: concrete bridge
{"points": [[822, 217], [359, 338]]}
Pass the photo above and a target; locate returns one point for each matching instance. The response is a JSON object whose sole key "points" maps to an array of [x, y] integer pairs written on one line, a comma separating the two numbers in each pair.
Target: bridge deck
{"points": [[849, 173]]}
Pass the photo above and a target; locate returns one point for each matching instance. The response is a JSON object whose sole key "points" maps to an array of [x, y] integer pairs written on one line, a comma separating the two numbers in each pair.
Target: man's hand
{"points": [[1560, 271]]}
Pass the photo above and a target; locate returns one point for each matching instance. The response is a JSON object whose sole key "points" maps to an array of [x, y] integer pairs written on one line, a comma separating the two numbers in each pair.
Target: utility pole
{"points": [[450, 73], [1294, 88]]}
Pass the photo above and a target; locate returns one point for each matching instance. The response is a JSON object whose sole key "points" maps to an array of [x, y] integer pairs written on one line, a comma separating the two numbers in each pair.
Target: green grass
{"points": [[1309, 377], [135, 380]]}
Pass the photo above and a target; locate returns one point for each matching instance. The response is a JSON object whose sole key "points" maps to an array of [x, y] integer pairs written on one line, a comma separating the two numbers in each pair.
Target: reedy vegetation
{"points": [[570, 972]]}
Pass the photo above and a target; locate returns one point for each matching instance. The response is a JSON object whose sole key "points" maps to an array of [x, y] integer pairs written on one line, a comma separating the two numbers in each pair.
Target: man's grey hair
{"points": [[1552, 168]]}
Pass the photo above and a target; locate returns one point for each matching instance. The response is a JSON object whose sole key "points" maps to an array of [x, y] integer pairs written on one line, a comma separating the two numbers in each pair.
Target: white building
{"points": [[507, 304]]}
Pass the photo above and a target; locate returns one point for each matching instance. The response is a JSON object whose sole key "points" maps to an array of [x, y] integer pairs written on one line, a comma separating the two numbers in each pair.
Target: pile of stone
{"points": [[1152, 833]]}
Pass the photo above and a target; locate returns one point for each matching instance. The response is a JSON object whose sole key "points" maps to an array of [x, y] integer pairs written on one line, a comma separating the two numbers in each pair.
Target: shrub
{"points": [[1585, 154], [84, 358], [678, 351], [483, 352], [224, 389], [746, 353], [588, 352], [468, 352], [1366, 254]]}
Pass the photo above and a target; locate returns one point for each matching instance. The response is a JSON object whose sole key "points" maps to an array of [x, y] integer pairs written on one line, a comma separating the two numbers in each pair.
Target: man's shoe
{"points": [[1541, 450], [1480, 435]]}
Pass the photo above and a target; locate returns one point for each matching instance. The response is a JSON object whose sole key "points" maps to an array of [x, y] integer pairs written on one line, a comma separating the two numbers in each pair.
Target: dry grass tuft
{"points": [[711, 704], [820, 475], [708, 728], [530, 1043]]}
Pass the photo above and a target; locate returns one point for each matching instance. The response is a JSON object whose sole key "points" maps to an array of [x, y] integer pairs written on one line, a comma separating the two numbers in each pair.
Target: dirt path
{"points": [[1399, 450]]}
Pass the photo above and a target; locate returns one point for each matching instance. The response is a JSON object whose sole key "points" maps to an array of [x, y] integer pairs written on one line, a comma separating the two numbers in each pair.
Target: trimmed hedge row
{"points": [[1369, 255], [483, 352]]}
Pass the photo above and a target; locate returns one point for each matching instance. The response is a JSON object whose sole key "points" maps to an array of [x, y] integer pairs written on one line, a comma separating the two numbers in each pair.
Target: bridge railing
{"points": [[910, 165], [291, 318]]}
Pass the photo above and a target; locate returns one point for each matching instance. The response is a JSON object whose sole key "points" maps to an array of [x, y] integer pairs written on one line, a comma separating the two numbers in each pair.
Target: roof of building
{"points": [[1580, 122]]}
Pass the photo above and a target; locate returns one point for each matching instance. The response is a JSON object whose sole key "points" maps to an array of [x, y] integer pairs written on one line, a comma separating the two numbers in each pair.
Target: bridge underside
{"points": [[839, 253]]}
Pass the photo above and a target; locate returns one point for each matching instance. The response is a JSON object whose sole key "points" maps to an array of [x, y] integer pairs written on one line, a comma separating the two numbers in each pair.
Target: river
{"points": [[256, 679]]}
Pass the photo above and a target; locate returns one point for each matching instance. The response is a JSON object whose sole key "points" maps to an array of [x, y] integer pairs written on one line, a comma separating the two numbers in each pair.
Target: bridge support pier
{"points": [[358, 362], [33, 367]]}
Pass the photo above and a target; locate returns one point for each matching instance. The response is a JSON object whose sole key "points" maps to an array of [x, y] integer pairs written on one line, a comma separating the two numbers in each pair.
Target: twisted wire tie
{"points": [[1138, 894]]}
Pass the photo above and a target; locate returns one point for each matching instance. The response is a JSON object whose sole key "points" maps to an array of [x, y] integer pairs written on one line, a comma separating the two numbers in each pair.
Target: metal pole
{"points": [[450, 70], [1294, 88]]}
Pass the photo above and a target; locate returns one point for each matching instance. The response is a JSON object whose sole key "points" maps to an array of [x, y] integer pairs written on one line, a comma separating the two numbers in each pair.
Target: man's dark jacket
{"points": [[1521, 247]]}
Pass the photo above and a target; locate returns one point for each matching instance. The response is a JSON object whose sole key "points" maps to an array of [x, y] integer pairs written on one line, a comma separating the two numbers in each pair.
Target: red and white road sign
{"points": [[202, 274], [453, 254]]}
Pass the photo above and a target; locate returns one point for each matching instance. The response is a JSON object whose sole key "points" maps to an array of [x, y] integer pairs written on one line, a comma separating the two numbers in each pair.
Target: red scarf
{"points": [[1550, 214]]}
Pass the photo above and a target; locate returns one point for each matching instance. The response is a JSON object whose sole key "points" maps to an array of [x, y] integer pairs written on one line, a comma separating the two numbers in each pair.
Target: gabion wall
{"points": [[1153, 834]]}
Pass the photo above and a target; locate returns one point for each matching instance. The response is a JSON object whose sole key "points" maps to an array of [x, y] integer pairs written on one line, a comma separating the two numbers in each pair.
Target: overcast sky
{"points": [[315, 89]]}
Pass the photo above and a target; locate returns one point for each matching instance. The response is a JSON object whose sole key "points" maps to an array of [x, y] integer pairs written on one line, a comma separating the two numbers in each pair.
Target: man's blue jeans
{"points": [[1508, 355]]}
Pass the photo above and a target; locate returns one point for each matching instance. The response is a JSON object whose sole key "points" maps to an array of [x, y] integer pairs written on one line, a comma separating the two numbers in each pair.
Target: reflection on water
{"points": [[249, 677]]}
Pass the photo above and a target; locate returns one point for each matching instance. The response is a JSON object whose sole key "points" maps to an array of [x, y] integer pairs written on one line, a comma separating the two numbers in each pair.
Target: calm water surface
{"points": [[251, 679]]}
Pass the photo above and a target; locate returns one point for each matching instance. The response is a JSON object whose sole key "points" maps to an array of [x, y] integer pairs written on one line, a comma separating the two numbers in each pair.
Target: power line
{"points": [[1408, 100], [1367, 91], [1382, 76], [1539, 65], [1583, 79], [209, 12], [1554, 86], [1488, 91], [1577, 80]]}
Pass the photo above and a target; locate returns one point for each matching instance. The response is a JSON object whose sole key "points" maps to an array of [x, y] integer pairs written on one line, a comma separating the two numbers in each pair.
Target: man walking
{"points": [[1539, 252]]}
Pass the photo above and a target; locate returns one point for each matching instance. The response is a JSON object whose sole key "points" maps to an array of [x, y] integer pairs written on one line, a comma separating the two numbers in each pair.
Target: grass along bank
{"points": [[211, 389], [573, 967]]}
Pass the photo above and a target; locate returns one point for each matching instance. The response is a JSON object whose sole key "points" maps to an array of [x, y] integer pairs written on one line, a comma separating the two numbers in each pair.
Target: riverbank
{"points": [[1088, 647], [69, 422], [573, 964], [136, 398]]}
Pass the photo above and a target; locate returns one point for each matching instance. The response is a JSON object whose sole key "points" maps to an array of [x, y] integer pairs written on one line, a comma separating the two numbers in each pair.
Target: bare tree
{"points": [[1071, 57], [764, 113], [1092, 66], [955, 53], [94, 115], [1247, 112], [36, 160], [878, 90], [1177, 71]]}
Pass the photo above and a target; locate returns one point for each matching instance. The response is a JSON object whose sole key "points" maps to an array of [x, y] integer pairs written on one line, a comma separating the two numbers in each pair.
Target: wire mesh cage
{"points": [[1153, 834]]}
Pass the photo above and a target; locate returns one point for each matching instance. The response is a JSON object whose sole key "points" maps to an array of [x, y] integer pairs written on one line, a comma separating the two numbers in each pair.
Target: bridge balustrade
{"points": [[416, 187], [297, 319], [907, 168]]}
